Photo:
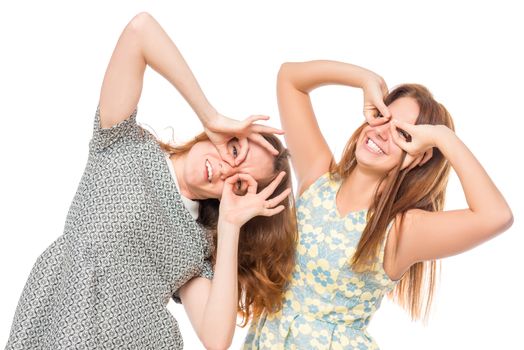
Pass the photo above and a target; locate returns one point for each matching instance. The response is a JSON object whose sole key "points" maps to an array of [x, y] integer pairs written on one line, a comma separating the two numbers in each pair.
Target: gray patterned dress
{"points": [[127, 247]]}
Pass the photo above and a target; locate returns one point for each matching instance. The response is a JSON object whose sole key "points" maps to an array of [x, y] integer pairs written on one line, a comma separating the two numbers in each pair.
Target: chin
{"points": [[368, 165]]}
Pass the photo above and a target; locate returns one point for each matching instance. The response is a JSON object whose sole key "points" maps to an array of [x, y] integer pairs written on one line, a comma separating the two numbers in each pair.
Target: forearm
{"points": [[482, 196], [161, 54], [219, 318], [306, 76]]}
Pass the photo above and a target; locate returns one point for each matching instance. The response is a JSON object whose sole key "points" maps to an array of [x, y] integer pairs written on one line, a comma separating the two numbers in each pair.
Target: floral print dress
{"points": [[327, 305]]}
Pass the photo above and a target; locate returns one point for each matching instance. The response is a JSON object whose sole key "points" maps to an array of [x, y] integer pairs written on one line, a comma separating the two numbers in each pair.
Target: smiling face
{"points": [[205, 171], [376, 150]]}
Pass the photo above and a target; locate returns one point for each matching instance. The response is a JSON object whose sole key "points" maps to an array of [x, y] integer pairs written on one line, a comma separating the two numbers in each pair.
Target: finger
{"points": [[266, 129], [408, 162], [374, 118], [252, 185], [274, 211], [383, 109], [427, 155], [225, 155], [260, 140], [230, 184], [371, 115], [409, 128], [244, 147], [232, 179], [396, 138], [266, 192], [253, 118], [415, 162], [276, 200]]}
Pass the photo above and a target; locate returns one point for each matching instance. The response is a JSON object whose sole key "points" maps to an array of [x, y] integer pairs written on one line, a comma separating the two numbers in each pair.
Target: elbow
{"points": [[217, 344], [283, 72], [217, 339], [140, 20], [289, 77], [142, 17], [506, 219], [501, 220], [286, 70]]}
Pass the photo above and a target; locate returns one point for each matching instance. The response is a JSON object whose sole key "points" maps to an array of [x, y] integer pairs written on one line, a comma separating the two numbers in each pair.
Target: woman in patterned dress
{"points": [[390, 182], [141, 226]]}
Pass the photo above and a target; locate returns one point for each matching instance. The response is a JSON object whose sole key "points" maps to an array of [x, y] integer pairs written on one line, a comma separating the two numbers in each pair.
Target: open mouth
{"points": [[209, 171], [373, 147]]}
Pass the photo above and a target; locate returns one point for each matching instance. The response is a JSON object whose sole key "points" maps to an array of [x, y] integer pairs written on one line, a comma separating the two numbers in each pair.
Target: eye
{"points": [[239, 185], [404, 134], [235, 151]]}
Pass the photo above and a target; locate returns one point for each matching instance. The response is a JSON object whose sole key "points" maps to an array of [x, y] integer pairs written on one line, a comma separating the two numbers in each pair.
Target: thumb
{"points": [[370, 114], [384, 110]]}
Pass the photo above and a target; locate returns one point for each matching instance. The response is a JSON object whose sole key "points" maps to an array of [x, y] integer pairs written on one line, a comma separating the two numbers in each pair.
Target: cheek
{"points": [[216, 191], [395, 153], [203, 149]]}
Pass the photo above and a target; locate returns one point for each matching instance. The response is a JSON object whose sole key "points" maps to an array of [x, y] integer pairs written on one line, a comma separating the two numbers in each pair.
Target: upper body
{"points": [[129, 244], [327, 304], [387, 151], [222, 166]]}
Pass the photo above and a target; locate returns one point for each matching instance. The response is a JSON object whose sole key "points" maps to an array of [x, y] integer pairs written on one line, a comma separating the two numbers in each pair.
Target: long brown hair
{"points": [[266, 251], [422, 187]]}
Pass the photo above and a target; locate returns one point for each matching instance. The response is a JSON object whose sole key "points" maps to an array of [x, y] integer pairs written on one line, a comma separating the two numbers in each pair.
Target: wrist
{"points": [[228, 226], [440, 135], [207, 116], [371, 79]]}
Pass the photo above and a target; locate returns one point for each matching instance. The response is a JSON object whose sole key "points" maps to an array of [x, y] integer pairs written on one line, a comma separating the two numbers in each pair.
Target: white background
{"points": [[54, 55]]}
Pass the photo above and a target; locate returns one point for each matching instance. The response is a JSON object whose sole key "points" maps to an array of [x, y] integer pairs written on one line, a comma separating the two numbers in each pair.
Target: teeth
{"points": [[374, 146], [209, 171]]}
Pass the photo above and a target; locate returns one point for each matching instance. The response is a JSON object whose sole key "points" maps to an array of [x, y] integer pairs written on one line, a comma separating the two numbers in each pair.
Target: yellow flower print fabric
{"points": [[327, 305]]}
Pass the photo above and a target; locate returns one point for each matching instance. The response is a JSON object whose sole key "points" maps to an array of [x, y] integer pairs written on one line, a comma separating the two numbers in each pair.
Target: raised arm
{"points": [[143, 42], [310, 154], [432, 235]]}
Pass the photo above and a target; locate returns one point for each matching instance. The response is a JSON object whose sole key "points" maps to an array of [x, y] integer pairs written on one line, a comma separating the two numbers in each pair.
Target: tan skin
{"points": [[211, 305], [194, 179], [423, 235]]}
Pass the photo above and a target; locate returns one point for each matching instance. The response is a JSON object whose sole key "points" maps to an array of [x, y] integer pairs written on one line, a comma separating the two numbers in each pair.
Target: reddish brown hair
{"points": [[422, 187], [266, 251]]}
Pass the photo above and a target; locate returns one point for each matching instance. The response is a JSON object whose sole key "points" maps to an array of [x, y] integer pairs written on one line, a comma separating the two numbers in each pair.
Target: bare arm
{"points": [[212, 305], [433, 235], [144, 42], [311, 155]]}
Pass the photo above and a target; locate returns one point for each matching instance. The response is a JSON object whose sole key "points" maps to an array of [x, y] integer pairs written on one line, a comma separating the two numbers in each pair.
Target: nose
{"points": [[225, 169], [382, 131]]}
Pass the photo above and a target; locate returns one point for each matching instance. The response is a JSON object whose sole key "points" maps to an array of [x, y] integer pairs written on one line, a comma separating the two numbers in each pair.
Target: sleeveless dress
{"points": [[128, 245], [327, 305]]}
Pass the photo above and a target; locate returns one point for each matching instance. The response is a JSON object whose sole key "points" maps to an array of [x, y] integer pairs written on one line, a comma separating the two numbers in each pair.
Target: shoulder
{"points": [[322, 181]]}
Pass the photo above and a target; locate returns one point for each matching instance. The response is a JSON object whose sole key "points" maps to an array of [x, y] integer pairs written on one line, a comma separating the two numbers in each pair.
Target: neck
{"points": [[179, 162], [358, 189]]}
